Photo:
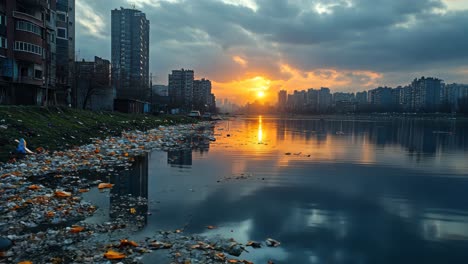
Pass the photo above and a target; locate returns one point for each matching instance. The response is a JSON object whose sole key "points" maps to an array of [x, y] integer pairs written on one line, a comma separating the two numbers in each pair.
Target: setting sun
{"points": [[260, 94]]}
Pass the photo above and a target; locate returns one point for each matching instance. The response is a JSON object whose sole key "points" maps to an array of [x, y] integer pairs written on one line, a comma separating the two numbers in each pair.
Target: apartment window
{"points": [[61, 33], [62, 17], [3, 43], [29, 27], [28, 47], [3, 20], [38, 74]]}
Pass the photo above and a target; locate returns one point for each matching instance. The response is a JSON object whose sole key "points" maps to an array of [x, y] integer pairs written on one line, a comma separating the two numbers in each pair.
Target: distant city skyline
{"points": [[248, 46]]}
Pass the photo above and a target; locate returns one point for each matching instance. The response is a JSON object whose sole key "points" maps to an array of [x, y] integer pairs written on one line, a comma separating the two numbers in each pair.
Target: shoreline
{"points": [[54, 128], [43, 212], [361, 117]]}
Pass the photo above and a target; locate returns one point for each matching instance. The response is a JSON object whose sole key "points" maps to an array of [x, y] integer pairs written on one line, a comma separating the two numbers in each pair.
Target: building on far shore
{"points": [[181, 89]]}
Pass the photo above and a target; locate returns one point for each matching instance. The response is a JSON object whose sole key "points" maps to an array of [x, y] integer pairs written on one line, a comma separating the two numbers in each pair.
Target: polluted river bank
{"points": [[45, 216]]}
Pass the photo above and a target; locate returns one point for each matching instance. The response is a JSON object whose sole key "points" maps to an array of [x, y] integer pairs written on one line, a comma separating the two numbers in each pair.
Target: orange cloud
{"points": [[242, 91], [240, 60]]}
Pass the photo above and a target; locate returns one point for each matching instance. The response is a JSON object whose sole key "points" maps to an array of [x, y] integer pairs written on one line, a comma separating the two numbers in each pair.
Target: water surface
{"points": [[331, 191]]}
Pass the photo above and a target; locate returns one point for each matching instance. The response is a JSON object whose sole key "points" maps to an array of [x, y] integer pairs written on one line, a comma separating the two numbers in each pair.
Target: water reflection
{"points": [[380, 192], [416, 136], [260, 131], [129, 187], [181, 157]]}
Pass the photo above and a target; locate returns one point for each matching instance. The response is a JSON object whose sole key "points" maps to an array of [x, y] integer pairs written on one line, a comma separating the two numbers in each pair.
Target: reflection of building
{"points": [[128, 186], [130, 54], [180, 157]]}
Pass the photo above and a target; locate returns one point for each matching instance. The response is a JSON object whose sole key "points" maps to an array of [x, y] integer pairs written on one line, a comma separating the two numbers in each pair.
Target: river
{"points": [[331, 191]]}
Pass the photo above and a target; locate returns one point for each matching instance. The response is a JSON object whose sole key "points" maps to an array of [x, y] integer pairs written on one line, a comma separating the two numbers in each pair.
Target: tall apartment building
{"points": [[381, 96], [324, 99], [426, 93], [282, 100], [27, 51], [343, 97], [361, 97], [181, 88], [452, 93], [130, 54], [201, 94], [65, 52], [312, 100]]}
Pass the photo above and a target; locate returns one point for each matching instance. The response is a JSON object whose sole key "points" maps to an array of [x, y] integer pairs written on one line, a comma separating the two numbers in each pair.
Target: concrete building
{"points": [[212, 103], [324, 99], [299, 100], [181, 89], [65, 52], [426, 94], [282, 100], [380, 97], [361, 97], [161, 90], [343, 97], [452, 94], [312, 100], [93, 85], [27, 52], [130, 54], [201, 94]]}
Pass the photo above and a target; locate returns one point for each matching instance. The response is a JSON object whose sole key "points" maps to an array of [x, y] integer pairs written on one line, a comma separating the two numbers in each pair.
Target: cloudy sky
{"points": [[246, 46]]}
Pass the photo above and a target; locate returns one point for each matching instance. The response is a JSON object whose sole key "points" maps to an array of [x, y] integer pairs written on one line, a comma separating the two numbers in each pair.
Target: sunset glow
{"points": [[264, 89]]}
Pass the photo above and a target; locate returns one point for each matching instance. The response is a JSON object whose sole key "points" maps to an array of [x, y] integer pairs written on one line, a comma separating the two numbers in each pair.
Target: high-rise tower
{"points": [[130, 54]]}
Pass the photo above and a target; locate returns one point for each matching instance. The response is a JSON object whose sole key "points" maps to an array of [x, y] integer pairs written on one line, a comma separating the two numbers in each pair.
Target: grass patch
{"points": [[55, 128]]}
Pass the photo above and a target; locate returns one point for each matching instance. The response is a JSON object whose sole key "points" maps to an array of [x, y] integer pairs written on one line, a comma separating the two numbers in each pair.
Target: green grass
{"points": [[56, 128]]}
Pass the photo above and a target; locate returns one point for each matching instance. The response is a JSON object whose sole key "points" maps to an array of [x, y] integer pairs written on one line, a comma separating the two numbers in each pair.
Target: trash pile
{"points": [[110, 152], [43, 214]]}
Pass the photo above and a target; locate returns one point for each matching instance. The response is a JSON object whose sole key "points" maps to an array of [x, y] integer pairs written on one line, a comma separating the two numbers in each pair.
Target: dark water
{"points": [[330, 191]]}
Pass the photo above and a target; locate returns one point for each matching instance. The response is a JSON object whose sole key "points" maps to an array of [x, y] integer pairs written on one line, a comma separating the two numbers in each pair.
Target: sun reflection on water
{"points": [[260, 132]]}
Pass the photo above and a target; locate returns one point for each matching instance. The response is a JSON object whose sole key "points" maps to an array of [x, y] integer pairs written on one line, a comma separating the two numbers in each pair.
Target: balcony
{"points": [[24, 16], [30, 80], [34, 3]]}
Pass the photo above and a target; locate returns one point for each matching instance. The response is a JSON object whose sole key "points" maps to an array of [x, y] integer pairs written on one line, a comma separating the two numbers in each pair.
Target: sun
{"points": [[260, 94]]}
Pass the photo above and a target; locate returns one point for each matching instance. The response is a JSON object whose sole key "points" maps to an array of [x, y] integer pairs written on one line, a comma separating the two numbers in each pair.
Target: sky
{"points": [[252, 47]]}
